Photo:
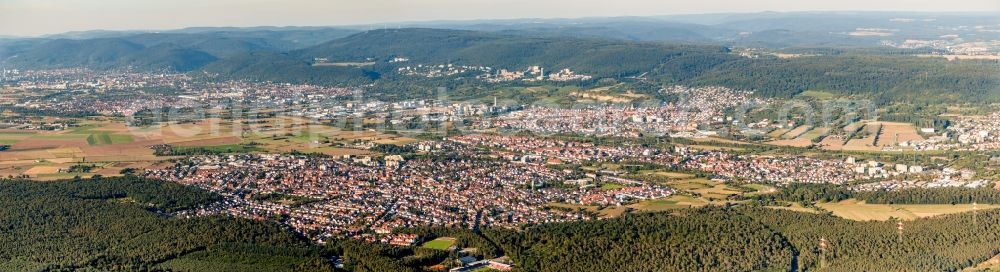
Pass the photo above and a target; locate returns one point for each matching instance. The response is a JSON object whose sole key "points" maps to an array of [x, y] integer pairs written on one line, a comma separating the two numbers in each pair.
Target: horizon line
{"points": [[416, 23]]}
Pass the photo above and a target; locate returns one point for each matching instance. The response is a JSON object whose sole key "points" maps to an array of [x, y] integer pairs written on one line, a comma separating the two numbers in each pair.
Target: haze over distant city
{"points": [[39, 17]]}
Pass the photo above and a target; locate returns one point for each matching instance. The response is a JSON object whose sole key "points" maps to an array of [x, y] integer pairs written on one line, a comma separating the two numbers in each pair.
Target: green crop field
{"points": [[215, 149], [107, 138]]}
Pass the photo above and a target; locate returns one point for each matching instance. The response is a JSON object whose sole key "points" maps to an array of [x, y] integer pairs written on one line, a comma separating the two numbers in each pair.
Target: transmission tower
{"points": [[899, 226], [822, 252], [975, 210]]}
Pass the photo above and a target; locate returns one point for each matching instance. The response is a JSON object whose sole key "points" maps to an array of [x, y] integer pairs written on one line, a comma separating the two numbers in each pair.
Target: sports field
{"points": [[611, 186], [441, 243]]}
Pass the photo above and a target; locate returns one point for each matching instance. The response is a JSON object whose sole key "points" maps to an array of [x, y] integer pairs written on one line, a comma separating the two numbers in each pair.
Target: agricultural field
{"points": [[854, 127], [604, 94], [708, 189], [670, 175], [710, 147], [860, 136], [993, 264], [111, 145], [796, 132], [654, 205], [760, 189], [286, 134], [710, 140], [441, 243], [795, 206], [815, 133], [892, 134], [670, 203], [833, 142], [820, 95], [797, 142], [107, 139], [777, 133], [861, 211], [801, 136], [866, 141], [48, 154]]}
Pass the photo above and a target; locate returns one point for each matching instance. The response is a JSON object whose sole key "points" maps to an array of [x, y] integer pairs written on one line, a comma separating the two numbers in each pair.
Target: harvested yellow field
{"points": [[832, 143], [40, 170], [396, 141], [861, 211], [815, 133], [673, 175], [717, 140], [798, 142], [993, 264], [692, 184], [603, 212], [707, 189], [333, 151], [796, 207], [777, 133], [801, 136], [715, 148], [852, 127], [223, 140], [670, 203], [892, 133], [866, 143], [717, 192], [795, 133]]}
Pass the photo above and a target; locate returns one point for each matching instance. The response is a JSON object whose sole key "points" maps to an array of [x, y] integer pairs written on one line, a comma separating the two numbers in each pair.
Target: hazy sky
{"points": [[34, 17]]}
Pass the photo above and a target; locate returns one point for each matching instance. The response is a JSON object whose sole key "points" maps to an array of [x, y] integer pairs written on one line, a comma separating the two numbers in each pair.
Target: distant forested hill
{"points": [[876, 76], [108, 53], [869, 73], [362, 58], [280, 67], [607, 58], [180, 50]]}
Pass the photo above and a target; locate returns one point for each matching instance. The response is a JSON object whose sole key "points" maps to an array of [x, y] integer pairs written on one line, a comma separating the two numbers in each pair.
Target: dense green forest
{"points": [[119, 224], [168, 150], [703, 240], [751, 238], [881, 77], [113, 224], [945, 243]]}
